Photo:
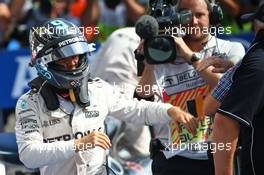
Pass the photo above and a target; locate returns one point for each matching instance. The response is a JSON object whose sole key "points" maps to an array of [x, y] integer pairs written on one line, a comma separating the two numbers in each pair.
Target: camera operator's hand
{"points": [[147, 78], [93, 139], [179, 116], [140, 49], [220, 65], [182, 49]]}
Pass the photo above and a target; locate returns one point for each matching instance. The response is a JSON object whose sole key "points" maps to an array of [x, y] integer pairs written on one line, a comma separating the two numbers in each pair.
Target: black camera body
{"points": [[161, 48], [164, 12]]}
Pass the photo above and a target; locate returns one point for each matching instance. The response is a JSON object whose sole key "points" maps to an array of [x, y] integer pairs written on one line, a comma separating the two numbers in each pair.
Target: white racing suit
{"points": [[46, 138]]}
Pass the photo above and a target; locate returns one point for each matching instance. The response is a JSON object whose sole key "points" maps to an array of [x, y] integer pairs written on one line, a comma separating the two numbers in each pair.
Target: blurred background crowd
{"points": [[17, 16], [99, 19]]}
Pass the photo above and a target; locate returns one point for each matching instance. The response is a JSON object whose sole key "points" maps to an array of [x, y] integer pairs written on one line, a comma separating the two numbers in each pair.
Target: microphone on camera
{"points": [[147, 27]]}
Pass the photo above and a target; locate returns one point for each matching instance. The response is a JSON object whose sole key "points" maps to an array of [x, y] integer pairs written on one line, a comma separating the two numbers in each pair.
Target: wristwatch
{"points": [[194, 58]]}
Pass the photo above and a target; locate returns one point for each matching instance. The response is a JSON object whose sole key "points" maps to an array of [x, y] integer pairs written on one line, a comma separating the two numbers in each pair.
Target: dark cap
{"points": [[258, 14]]}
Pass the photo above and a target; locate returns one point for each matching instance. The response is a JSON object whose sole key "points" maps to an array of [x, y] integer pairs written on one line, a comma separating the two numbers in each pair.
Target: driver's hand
{"points": [[92, 140], [183, 50], [179, 116]]}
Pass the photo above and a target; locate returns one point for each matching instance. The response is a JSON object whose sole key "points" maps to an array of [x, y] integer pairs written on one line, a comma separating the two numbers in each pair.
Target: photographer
{"points": [[174, 150]]}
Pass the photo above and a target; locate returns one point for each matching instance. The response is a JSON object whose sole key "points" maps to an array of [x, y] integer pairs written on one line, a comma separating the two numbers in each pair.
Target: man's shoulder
{"points": [[125, 34], [255, 56], [100, 87], [230, 43], [27, 99], [96, 82], [30, 94], [125, 30], [234, 50]]}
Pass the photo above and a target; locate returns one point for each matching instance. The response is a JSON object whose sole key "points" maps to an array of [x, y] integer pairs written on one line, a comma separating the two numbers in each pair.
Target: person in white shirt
{"points": [[116, 64]]}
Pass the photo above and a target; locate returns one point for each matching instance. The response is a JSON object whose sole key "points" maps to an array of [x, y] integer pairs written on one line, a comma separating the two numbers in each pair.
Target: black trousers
{"points": [[178, 165]]}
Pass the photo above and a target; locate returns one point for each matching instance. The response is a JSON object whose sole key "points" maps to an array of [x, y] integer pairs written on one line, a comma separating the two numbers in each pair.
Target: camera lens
{"points": [[160, 49], [158, 13]]}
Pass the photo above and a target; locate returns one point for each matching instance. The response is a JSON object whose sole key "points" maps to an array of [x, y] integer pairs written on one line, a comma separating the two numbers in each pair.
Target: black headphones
{"points": [[215, 13]]}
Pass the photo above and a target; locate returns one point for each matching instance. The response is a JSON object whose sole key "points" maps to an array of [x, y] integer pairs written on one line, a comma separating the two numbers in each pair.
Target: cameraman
{"points": [[174, 150]]}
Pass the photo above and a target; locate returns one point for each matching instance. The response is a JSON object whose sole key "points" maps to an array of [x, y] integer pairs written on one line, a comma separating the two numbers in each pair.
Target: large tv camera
{"points": [[164, 11], [159, 47]]}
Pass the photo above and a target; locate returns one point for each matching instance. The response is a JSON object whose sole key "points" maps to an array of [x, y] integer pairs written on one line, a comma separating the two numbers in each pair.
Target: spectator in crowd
{"points": [[10, 13], [4, 17], [25, 14], [54, 9], [110, 15], [77, 7]]}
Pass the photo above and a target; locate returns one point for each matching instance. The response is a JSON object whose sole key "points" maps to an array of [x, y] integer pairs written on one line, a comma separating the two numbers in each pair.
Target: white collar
{"points": [[65, 108], [211, 43]]}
